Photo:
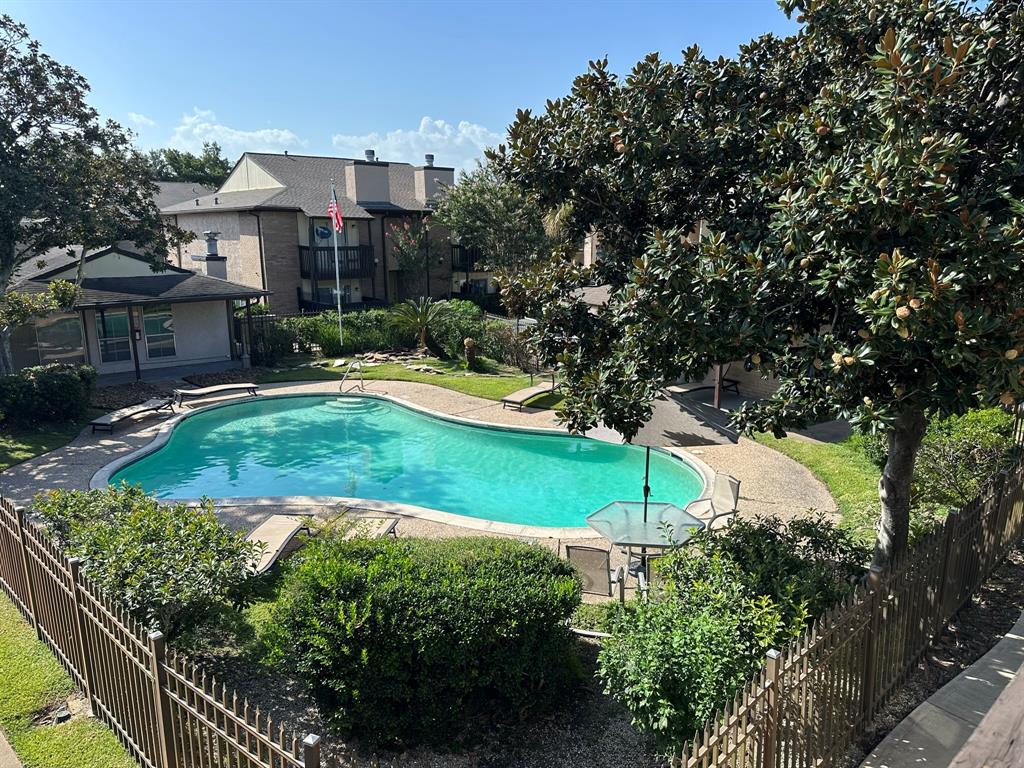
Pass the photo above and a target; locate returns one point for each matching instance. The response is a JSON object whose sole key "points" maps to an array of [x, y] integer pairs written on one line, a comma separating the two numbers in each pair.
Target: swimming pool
{"points": [[371, 448]]}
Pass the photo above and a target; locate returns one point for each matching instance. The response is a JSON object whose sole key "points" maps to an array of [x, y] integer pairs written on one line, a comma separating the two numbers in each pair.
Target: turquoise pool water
{"points": [[374, 449]]}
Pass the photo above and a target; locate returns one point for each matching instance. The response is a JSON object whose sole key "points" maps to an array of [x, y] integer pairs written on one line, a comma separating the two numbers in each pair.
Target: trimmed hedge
{"points": [[46, 393], [405, 641]]}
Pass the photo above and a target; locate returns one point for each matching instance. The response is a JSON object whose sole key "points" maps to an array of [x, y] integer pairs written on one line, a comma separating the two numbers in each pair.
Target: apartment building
{"points": [[271, 216]]}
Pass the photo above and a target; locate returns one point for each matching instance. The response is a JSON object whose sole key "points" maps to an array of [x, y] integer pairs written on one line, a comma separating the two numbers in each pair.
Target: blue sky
{"points": [[336, 78]]}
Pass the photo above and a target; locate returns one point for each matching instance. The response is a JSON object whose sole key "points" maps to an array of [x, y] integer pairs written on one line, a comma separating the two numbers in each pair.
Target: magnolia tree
{"points": [[858, 189], [66, 178]]}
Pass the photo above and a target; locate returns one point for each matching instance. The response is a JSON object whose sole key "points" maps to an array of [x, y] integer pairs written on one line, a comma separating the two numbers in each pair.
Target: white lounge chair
{"points": [[108, 420], [218, 389], [717, 509], [277, 534]]}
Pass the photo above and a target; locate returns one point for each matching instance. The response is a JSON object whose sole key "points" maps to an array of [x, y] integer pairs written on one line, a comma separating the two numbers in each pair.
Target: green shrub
{"points": [[957, 457], [805, 566], [46, 393], [404, 641], [686, 650], [458, 320], [503, 343], [171, 566], [727, 598], [368, 330]]}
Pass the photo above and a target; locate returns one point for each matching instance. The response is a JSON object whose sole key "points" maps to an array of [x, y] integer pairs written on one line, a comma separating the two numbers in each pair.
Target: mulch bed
{"points": [[233, 376], [589, 730], [989, 616], [122, 395]]}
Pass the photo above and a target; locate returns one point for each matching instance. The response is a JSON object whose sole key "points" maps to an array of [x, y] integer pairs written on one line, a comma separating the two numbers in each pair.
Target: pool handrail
{"points": [[358, 365]]}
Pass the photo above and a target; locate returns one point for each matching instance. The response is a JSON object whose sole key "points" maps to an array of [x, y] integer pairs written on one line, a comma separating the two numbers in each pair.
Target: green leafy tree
{"points": [[485, 212], [66, 177], [859, 186], [410, 242], [208, 167]]}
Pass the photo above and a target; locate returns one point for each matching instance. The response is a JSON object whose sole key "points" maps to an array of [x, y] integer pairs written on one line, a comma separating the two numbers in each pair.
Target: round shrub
{"points": [[46, 393], [460, 319], [406, 641]]}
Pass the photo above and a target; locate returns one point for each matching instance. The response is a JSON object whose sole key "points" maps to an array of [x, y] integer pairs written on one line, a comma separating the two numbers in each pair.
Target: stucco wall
{"points": [[238, 242], [201, 335]]}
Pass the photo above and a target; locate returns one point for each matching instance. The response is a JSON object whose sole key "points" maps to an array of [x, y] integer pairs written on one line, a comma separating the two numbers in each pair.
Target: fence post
{"points": [[940, 613], [75, 565], [30, 597], [311, 751], [161, 705], [874, 583], [771, 733]]}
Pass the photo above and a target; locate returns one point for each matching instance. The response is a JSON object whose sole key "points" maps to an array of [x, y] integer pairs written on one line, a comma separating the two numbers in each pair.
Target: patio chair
{"points": [[720, 507], [595, 567]]}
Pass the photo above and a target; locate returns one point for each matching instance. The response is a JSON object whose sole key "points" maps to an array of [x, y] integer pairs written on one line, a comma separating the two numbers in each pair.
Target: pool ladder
{"points": [[354, 365]]}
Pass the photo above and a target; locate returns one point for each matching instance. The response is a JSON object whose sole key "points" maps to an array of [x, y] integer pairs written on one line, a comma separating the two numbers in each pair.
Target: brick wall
{"points": [[281, 255]]}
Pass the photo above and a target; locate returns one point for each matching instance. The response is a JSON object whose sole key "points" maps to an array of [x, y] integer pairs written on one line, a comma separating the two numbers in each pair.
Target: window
{"points": [[112, 330], [59, 339], [159, 324]]}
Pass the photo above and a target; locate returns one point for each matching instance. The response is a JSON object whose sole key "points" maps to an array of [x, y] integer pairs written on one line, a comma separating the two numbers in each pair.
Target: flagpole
{"points": [[337, 276]]}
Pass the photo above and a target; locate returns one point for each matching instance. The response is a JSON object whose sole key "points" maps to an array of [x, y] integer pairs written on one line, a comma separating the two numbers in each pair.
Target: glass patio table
{"points": [[623, 524]]}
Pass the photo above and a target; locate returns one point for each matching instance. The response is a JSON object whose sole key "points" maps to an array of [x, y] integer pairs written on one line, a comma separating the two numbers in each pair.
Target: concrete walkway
{"points": [[933, 734], [7, 757]]}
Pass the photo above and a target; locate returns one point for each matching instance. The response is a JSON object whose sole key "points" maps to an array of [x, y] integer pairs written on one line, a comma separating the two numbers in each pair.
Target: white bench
{"points": [[108, 421], [218, 389]]}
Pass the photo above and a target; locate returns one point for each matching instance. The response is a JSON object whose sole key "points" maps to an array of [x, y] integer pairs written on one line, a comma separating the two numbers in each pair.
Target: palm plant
{"points": [[418, 315]]}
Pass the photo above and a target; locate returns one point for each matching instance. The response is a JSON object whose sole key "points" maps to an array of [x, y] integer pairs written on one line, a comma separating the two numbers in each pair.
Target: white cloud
{"points": [[141, 120], [454, 145], [202, 125]]}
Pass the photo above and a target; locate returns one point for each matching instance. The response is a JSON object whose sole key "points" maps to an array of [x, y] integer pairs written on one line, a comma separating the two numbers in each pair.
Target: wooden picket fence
{"points": [[166, 712], [809, 703]]}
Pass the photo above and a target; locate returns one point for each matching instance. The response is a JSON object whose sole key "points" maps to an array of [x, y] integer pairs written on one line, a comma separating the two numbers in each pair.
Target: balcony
{"points": [[467, 259], [317, 262]]}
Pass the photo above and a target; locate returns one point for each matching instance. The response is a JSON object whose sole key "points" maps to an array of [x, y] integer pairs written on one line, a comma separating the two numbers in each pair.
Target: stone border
{"points": [[101, 479]]}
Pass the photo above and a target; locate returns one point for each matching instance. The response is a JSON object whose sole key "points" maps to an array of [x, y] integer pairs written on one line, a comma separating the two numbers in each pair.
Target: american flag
{"points": [[334, 211]]}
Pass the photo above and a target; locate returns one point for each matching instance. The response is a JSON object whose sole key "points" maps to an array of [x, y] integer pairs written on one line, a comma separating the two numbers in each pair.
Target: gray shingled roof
{"points": [[52, 259], [173, 192], [306, 181], [162, 288]]}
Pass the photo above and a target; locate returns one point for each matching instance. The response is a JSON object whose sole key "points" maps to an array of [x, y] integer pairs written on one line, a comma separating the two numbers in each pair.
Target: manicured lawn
{"points": [[31, 680], [849, 475], [498, 382], [17, 446]]}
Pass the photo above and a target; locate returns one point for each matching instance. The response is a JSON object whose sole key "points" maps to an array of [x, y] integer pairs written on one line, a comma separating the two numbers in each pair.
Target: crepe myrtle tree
{"points": [[858, 190], [67, 178]]}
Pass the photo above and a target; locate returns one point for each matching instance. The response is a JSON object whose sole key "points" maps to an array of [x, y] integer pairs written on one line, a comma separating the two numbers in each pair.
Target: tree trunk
{"points": [[6, 358], [894, 486]]}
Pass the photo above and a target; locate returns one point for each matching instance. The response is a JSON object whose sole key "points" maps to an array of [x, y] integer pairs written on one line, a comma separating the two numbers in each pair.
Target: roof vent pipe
{"points": [[370, 156], [429, 160]]}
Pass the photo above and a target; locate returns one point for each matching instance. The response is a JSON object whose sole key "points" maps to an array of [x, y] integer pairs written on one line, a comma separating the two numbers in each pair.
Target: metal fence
{"points": [[808, 704], [167, 712]]}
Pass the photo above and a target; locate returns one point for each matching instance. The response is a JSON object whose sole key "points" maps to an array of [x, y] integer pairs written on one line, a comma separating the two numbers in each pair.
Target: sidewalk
{"points": [[7, 757], [933, 734]]}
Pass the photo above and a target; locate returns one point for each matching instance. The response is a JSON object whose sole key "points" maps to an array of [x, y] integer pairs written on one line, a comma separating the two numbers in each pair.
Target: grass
{"points": [[496, 382], [18, 445], [31, 680], [850, 476]]}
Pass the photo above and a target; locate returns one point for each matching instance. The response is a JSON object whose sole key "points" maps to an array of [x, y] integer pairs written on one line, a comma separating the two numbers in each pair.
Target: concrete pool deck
{"points": [[771, 483]]}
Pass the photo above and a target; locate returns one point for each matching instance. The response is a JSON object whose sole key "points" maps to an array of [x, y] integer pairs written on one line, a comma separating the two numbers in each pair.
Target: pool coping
{"points": [[101, 478]]}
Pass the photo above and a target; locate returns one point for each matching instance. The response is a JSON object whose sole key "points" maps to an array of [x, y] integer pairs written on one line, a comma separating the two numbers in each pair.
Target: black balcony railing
{"points": [[317, 262], [467, 259]]}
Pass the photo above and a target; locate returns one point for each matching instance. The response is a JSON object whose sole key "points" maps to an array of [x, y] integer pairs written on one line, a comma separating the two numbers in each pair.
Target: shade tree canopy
{"points": [[857, 187], [208, 167], [66, 177]]}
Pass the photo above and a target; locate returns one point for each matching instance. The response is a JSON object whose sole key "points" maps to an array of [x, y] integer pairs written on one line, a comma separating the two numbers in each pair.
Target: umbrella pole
{"points": [[647, 475]]}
